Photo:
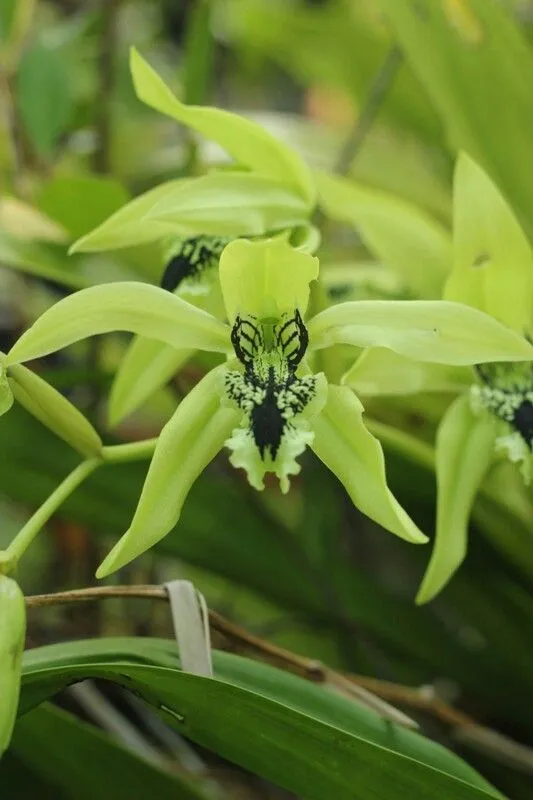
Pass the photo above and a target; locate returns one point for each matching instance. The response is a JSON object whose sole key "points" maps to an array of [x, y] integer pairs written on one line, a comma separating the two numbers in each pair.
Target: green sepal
{"points": [[380, 371], [437, 331], [12, 635], [147, 366], [189, 441], [243, 139], [493, 261], [350, 451], [229, 204], [122, 306], [464, 452], [402, 236], [265, 279], [54, 410]]}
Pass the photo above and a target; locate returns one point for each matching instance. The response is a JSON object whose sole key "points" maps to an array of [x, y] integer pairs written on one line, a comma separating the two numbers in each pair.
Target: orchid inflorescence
{"points": [[237, 249]]}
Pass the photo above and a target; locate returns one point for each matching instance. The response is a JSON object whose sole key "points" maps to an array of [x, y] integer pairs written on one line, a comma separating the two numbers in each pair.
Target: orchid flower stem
{"points": [[132, 451], [27, 534], [112, 454]]}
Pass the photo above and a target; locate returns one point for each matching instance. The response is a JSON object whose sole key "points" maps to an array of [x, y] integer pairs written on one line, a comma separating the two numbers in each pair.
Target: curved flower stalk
{"points": [[493, 414], [265, 404]]}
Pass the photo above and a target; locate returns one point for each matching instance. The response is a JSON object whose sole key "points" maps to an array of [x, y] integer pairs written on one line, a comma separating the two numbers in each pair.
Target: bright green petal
{"points": [[360, 280], [437, 331], [12, 635], [147, 366], [350, 451], [128, 306], [188, 442], [265, 279], [465, 449], [399, 234], [229, 204], [493, 261], [243, 139], [54, 410], [379, 370], [128, 226]]}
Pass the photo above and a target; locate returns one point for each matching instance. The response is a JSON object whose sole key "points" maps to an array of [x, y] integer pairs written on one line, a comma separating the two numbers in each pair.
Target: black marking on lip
{"points": [[191, 258], [271, 397]]}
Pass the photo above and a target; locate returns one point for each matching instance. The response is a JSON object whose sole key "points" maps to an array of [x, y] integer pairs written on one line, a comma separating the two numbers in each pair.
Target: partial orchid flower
{"points": [[492, 415], [265, 403]]}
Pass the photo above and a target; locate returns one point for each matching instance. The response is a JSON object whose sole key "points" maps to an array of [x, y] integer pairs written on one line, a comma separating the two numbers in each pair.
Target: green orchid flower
{"points": [[265, 403], [492, 416]]}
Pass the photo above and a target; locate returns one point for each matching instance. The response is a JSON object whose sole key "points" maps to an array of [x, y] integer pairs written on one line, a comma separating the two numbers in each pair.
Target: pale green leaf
{"points": [[43, 96], [188, 442], [493, 261], [12, 635], [80, 202], [265, 279], [230, 204], [475, 65], [350, 451], [243, 139], [403, 237], [465, 447], [54, 410], [42, 259], [436, 331], [379, 370], [122, 306], [146, 367]]}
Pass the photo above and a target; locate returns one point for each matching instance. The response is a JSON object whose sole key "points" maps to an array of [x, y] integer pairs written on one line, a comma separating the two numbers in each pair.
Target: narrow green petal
{"points": [[247, 142], [465, 449], [399, 234], [429, 330], [128, 306], [493, 261], [379, 370], [350, 451], [12, 635], [54, 410], [265, 279], [128, 226], [188, 442], [6, 395], [230, 204], [147, 366]]}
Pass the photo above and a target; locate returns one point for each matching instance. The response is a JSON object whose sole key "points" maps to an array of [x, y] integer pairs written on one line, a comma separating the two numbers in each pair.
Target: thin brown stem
{"points": [[371, 108], [104, 99]]}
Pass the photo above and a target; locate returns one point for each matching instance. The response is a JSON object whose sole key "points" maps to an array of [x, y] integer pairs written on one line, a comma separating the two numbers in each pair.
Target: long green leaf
{"points": [[476, 67], [85, 763], [296, 734]]}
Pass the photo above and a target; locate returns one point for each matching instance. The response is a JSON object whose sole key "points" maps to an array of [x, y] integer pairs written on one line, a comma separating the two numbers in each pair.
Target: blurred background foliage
{"points": [[304, 571]]}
